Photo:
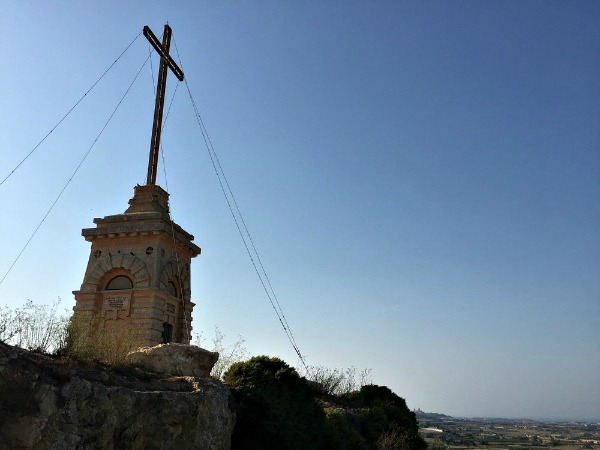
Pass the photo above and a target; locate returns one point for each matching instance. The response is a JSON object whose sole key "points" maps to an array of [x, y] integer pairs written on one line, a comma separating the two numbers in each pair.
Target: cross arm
{"points": [[159, 49]]}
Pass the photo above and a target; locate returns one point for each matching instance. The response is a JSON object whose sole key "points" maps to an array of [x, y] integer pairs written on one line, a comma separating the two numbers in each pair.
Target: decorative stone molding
{"points": [[169, 270], [107, 262]]}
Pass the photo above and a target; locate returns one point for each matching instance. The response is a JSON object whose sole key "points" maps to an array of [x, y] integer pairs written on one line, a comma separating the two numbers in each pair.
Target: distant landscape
{"points": [[445, 432]]}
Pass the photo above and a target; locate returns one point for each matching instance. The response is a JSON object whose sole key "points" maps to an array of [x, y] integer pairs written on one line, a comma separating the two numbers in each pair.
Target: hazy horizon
{"points": [[536, 419]]}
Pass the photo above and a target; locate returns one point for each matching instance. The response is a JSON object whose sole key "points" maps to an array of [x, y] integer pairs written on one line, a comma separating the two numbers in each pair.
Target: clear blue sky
{"points": [[422, 180]]}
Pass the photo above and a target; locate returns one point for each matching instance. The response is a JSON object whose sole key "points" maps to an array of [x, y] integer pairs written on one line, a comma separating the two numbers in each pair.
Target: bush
{"points": [[386, 419], [94, 340], [228, 354], [344, 430], [40, 328], [337, 381], [276, 407], [394, 439], [33, 327]]}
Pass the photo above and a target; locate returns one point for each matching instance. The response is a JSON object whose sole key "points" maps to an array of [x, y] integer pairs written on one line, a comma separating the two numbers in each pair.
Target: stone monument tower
{"points": [[138, 273]]}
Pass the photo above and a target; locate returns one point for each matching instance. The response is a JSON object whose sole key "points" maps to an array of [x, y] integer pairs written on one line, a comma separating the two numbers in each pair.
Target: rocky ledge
{"points": [[59, 403]]}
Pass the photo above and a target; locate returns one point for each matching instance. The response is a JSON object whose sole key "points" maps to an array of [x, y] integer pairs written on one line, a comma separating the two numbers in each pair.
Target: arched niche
{"points": [[128, 264], [173, 280], [119, 282]]}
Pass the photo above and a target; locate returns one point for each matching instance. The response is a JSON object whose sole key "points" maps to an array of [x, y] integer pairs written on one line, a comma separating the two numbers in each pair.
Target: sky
{"points": [[421, 180]]}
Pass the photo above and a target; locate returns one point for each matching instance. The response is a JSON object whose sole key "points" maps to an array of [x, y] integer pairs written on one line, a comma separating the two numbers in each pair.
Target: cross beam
{"points": [[166, 62]]}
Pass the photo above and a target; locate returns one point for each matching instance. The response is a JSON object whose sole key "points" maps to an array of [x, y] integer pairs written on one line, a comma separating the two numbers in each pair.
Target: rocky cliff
{"points": [[58, 403]]}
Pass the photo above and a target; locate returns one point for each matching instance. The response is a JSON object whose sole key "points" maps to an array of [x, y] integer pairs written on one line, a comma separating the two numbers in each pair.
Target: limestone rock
{"points": [[174, 359], [59, 403]]}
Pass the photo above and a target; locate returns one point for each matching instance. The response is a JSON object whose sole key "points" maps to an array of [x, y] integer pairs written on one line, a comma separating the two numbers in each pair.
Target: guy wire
{"points": [[69, 111]]}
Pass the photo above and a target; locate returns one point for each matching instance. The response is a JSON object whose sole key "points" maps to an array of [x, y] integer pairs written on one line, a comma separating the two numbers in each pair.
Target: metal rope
{"points": [[223, 182], [69, 111], [73, 174], [179, 274]]}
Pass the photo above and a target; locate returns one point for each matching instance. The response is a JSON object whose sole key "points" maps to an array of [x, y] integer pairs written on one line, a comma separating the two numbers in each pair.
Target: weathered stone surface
{"points": [[174, 359], [155, 254], [58, 403]]}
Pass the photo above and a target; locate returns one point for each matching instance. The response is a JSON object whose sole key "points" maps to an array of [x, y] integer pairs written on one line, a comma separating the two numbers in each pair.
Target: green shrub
{"points": [[343, 430], [276, 407], [386, 419]]}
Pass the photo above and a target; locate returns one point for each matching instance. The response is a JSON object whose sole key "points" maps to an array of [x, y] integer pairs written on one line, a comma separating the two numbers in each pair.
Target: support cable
{"points": [[73, 174], [251, 253], [152, 70], [69, 111], [179, 272]]}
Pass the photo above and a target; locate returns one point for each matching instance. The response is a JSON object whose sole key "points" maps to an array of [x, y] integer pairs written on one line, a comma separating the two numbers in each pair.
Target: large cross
{"points": [[165, 62]]}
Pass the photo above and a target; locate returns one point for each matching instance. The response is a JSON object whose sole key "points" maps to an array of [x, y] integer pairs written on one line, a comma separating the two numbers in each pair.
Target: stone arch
{"points": [[108, 262], [169, 272], [119, 282]]}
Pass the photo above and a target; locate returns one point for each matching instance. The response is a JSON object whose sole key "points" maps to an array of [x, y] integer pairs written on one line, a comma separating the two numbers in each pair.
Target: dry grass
{"points": [[95, 340], [33, 327]]}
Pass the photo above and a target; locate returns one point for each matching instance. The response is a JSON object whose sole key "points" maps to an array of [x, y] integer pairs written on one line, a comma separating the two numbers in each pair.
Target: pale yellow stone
{"points": [[143, 245]]}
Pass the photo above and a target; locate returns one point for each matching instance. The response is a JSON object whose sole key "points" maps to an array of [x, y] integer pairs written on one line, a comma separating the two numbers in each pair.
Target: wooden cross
{"points": [[165, 62]]}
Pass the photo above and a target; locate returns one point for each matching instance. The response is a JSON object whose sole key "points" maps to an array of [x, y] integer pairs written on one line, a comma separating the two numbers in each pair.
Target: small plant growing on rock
{"points": [[337, 381], [33, 327], [94, 339], [228, 354]]}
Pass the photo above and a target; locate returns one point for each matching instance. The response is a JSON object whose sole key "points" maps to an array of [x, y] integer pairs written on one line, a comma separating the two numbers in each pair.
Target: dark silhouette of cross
{"points": [[165, 62]]}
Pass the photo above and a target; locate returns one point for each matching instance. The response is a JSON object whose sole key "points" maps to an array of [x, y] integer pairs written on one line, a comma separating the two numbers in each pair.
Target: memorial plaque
{"points": [[116, 301]]}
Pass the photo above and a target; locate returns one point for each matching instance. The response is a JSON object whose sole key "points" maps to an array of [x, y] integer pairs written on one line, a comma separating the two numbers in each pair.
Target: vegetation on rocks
{"points": [[42, 329], [34, 327], [93, 341], [276, 407], [279, 409], [49, 402]]}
